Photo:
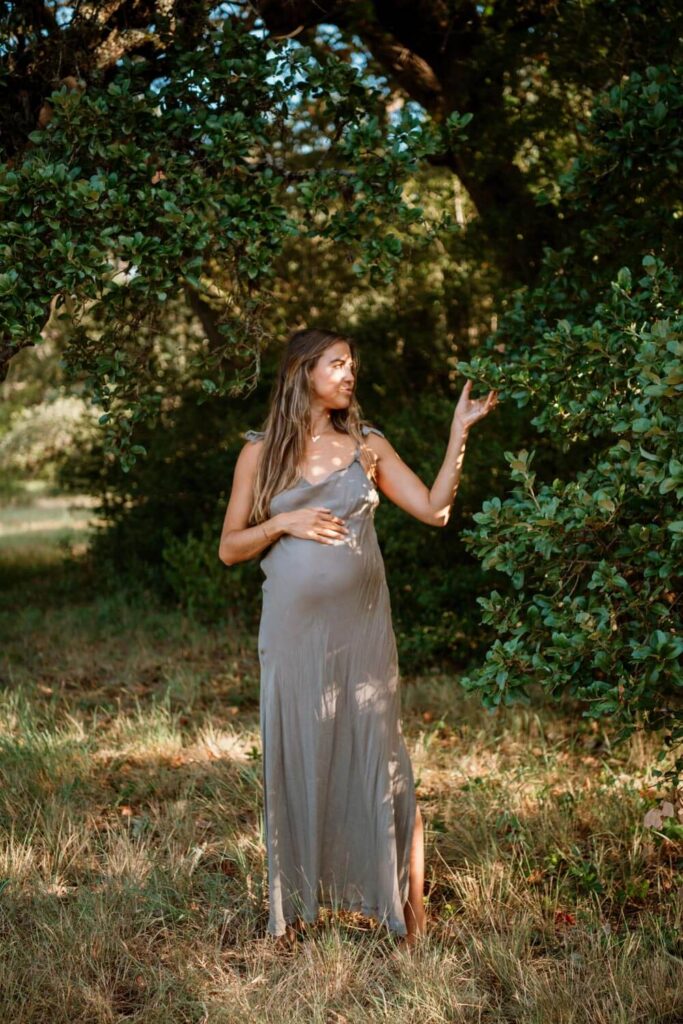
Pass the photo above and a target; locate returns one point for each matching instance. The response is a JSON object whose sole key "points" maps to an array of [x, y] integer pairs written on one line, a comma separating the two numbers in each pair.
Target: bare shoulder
{"points": [[370, 433], [376, 440], [254, 439], [248, 457]]}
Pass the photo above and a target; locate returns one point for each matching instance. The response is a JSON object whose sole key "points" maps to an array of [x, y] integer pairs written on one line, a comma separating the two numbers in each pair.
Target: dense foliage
{"points": [[595, 561], [594, 558], [133, 191]]}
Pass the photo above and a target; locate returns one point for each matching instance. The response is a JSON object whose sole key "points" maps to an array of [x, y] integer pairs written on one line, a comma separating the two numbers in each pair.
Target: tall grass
{"points": [[132, 871]]}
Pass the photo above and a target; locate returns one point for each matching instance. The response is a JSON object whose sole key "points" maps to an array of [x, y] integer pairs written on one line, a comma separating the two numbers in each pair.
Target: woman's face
{"points": [[334, 376]]}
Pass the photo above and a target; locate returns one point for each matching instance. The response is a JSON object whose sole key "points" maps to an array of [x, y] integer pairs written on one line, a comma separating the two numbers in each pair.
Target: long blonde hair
{"points": [[288, 422]]}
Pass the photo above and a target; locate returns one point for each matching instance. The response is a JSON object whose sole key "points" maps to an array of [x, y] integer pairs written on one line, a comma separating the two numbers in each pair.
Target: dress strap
{"points": [[254, 435], [365, 430]]}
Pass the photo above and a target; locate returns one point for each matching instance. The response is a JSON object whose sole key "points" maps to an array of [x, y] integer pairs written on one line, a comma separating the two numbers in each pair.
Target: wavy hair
{"points": [[288, 422]]}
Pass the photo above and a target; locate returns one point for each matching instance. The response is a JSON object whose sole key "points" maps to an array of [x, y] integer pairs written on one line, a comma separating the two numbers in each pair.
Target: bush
{"points": [[595, 560], [39, 436], [593, 556], [202, 583]]}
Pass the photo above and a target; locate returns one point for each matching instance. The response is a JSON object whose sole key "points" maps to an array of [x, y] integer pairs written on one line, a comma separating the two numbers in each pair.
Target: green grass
{"points": [[132, 872]]}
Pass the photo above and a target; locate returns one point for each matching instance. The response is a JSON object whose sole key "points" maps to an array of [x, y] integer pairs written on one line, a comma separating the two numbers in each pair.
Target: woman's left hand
{"points": [[469, 410]]}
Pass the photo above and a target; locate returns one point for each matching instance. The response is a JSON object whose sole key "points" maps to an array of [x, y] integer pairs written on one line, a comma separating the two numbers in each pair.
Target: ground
{"points": [[132, 872]]}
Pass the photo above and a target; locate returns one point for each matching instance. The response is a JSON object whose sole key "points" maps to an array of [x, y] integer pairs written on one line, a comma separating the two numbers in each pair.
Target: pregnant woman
{"points": [[342, 824]]}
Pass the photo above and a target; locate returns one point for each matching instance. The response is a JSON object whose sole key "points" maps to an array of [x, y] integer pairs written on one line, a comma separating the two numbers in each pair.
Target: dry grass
{"points": [[132, 875]]}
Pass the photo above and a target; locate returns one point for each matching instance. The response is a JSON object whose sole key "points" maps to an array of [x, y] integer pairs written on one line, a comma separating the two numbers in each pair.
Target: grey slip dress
{"points": [[339, 794]]}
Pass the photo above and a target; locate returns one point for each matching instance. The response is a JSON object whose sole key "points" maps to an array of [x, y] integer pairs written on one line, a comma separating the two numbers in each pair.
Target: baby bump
{"points": [[307, 574]]}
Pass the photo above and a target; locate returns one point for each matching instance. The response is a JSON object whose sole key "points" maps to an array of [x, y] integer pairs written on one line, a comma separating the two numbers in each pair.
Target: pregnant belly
{"points": [[306, 574]]}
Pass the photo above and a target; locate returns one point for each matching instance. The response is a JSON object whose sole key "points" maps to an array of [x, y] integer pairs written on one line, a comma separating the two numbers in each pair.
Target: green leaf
{"points": [[624, 279]]}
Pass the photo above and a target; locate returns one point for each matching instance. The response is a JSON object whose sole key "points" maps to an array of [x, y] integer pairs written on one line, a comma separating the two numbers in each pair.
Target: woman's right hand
{"points": [[316, 523]]}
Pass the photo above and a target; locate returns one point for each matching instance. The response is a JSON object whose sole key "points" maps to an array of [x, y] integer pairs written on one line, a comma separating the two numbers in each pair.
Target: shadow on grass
{"points": [[133, 861]]}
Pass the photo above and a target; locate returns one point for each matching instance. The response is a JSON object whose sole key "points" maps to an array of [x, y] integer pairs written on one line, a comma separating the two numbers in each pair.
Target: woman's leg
{"points": [[413, 910]]}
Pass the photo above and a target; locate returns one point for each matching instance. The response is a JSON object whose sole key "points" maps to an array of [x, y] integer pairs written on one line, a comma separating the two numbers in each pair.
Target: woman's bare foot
{"points": [[407, 945], [286, 942]]}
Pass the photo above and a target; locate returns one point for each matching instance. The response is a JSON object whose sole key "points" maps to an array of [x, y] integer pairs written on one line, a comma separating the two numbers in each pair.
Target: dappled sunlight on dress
{"points": [[339, 794]]}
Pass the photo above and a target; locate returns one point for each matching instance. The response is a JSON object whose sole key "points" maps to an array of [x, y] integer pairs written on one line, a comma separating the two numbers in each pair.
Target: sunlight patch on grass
{"points": [[133, 877]]}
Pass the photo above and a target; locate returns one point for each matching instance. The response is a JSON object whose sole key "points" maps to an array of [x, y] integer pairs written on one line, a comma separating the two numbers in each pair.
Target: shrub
{"points": [[595, 560]]}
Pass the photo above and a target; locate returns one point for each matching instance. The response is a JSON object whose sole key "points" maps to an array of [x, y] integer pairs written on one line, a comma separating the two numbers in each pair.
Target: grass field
{"points": [[132, 874]]}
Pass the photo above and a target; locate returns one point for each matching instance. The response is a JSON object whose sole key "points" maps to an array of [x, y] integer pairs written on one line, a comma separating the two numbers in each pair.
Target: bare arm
{"points": [[240, 542], [402, 486]]}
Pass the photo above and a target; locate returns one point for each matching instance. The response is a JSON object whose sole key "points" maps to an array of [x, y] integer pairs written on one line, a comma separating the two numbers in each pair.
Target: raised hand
{"points": [[469, 410]]}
